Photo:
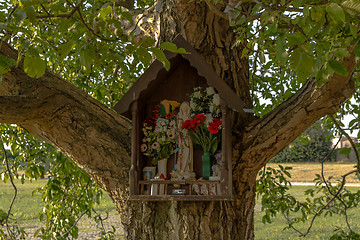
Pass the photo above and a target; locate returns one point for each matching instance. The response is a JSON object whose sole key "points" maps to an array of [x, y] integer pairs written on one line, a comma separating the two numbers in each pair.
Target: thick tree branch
{"points": [[54, 110], [267, 136], [215, 10], [18, 109]]}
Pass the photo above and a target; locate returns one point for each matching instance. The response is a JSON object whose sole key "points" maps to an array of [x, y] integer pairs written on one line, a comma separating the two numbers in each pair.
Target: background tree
{"points": [[301, 55], [311, 146]]}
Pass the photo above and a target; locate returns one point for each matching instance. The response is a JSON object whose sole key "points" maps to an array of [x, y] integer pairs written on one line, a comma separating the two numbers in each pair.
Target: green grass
{"points": [[322, 228], [27, 207]]}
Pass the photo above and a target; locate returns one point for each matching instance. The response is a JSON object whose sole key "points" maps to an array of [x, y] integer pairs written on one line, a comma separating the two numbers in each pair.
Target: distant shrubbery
{"points": [[312, 146]]}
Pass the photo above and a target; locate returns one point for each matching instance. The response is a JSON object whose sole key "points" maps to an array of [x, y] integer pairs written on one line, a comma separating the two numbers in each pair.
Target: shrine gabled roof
{"points": [[156, 70]]}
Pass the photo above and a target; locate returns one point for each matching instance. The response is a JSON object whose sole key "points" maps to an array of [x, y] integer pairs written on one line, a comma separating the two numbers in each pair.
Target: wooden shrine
{"points": [[187, 72]]}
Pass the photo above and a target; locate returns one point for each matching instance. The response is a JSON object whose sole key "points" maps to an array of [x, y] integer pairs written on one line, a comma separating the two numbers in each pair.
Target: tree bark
{"points": [[98, 139]]}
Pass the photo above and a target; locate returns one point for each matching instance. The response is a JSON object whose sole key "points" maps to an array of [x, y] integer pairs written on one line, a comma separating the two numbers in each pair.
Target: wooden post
{"points": [[226, 150], [134, 169]]}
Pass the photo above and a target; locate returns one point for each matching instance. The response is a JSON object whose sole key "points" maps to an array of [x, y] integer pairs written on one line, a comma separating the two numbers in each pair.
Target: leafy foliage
{"points": [[289, 42], [69, 194]]}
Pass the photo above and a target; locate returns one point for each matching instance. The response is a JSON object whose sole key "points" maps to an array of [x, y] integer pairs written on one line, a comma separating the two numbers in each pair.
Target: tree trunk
{"points": [[98, 139], [212, 37]]}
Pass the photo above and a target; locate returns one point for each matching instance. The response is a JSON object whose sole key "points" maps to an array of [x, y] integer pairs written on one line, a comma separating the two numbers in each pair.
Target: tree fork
{"points": [[98, 139]]}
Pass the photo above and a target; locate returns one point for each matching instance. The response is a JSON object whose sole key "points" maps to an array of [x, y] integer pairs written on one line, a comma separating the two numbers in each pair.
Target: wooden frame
{"points": [[186, 72]]}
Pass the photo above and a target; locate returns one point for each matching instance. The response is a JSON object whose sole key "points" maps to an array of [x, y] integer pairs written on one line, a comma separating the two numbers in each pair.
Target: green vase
{"points": [[206, 165]]}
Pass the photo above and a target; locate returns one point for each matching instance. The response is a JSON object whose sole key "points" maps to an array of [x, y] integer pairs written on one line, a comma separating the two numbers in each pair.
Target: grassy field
{"points": [[306, 172], [322, 228], [26, 208]]}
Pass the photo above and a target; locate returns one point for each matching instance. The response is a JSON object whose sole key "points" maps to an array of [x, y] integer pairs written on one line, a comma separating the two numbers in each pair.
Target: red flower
{"points": [[217, 121], [213, 130], [200, 117], [214, 126], [187, 124], [193, 125]]}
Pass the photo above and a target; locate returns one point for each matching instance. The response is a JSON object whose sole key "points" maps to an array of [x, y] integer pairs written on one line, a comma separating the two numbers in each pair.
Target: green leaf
{"points": [[147, 42], [306, 66], [105, 11], [162, 111], [338, 67], [194, 138], [357, 50], [143, 55], [20, 15], [30, 13], [127, 16], [296, 39], [172, 48], [316, 14], [280, 51], [6, 63], [336, 12], [214, 147], [340, 52], [86, 60], [34, 66], [64, 49], [345, 151], [161, 57]]}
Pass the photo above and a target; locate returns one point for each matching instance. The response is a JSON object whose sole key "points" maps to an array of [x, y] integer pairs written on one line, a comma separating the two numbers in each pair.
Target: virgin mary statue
{"points": [[184, 165]]}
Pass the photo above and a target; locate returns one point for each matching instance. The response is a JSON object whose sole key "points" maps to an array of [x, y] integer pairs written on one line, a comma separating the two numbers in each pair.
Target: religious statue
{"points": [[184, 165]]}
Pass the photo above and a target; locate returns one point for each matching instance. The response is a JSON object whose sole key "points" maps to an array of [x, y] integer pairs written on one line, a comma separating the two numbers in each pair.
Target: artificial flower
{"points": [[216, 100], [159, 135], [143, 147], [210, 91], [206, 137]]}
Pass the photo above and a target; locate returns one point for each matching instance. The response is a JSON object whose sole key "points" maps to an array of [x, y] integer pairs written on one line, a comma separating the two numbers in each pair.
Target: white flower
{"points": [[172, 123], [192, 104], [208, 120], [210, 91], [171, 135], [163, 138], [197, 94], [216, 100], [155, 146], [211, 108]]}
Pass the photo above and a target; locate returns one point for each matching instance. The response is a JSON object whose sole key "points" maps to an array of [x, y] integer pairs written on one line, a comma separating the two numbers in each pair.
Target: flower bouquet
{"points": [[204, 132], [205, 125], [159, 132]]}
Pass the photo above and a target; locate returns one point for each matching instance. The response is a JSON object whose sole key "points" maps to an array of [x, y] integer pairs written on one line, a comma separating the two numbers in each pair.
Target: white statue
{"points": [[184, 165]]}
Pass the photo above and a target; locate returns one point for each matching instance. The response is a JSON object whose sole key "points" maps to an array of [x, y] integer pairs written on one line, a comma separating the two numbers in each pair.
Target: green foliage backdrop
{"points": [[312, 146]]}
